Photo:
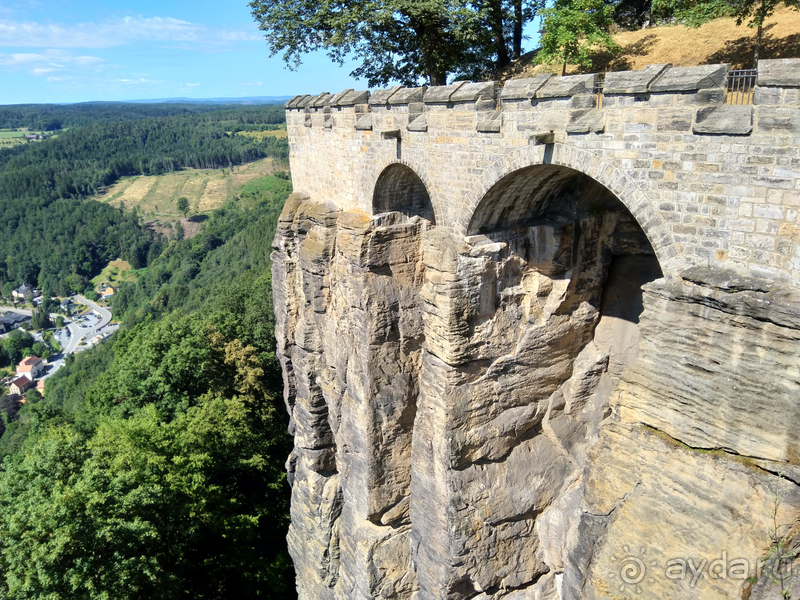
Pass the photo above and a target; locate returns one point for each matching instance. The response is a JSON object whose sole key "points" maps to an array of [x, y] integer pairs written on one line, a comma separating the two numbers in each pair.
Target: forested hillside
{"points": [[153, 467], [80, 162], [50, 237], [52, 117]]}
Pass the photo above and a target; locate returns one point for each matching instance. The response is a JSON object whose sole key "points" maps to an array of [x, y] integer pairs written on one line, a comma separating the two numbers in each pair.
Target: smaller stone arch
{"points": [[400, 189]]}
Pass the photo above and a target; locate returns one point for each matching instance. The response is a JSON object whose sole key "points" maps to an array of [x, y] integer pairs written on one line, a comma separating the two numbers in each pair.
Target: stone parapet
{"points": [[713, 184], [655, 86]]}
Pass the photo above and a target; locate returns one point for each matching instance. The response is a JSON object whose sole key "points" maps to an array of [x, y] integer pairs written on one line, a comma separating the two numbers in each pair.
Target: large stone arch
{"points": [[612, 177], [380, 167]]}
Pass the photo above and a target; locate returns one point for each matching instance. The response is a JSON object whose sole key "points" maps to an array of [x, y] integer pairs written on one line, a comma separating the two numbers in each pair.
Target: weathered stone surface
{"points": [[778, 120], [767, 95], [559, 87], [407, 95], [592, 120], [490, 122], [418, 123], [354, 97], [321, 100], [498, 359], [494, 393], [364, 122], [689, 79], [779, 72], [520, 89], [724, 120], [383, 96], [442, 94], [740, 409], [471, 92], [336, 99], [632, 82]]}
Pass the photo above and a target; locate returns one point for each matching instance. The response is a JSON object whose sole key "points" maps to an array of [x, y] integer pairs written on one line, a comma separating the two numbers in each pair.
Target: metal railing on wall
{"points": [[740, 86], [598, 92]]}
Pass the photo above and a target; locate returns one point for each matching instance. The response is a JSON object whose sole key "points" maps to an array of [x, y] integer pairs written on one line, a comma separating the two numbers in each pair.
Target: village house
{"points": [[32, 367], [20, 385], [107, 292], [25, 292], [10, 321]]}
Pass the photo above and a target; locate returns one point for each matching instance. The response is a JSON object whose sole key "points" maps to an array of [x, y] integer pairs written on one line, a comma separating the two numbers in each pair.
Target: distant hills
{"points": [[250, 100]]}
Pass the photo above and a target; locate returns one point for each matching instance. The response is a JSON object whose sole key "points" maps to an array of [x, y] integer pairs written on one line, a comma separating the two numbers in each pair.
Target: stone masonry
{"points": [[542, 343]]}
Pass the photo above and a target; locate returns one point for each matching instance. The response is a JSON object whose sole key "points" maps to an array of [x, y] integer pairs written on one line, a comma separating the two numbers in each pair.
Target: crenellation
{"points": [[663, 132]]}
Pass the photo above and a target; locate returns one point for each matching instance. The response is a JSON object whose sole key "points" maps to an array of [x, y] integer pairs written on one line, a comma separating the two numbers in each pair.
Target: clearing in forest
{"points": [[116, 272], [156, 196]]}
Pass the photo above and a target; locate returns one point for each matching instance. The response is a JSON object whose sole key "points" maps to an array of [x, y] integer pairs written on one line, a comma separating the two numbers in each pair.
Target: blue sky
{"points": [[83, 50]]}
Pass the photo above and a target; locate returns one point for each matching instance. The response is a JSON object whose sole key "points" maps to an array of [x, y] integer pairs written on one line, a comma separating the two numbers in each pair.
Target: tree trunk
{"points": [[758, 47], [496, 25], [517, 29], [564, 69], [437, 77]]}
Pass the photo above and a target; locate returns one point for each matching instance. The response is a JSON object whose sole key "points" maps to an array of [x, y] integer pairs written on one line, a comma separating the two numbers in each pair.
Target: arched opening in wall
{"points": [[577, 205], [400, 189], [556, 263]]}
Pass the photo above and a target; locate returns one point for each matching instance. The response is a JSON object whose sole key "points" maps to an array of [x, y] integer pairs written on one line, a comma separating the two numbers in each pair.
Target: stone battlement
{"points": [[586, 96], [712, 184]]}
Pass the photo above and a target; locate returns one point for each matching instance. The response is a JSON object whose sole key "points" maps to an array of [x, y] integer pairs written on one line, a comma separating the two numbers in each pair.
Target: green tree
{"points": [[60, 321], [398, 40], [183, 205], [41, 350], [694, 13], [41, 319], [183, 497], [572, 30]]}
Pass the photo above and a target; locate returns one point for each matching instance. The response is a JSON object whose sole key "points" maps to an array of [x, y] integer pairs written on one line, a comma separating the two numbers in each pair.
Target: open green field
{"points": [[276, 133], [116, 272], [206, 189], [13, 137]]}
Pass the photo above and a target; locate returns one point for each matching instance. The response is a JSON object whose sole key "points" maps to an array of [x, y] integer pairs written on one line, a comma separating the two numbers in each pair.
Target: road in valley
{"points": [[78, 332]]}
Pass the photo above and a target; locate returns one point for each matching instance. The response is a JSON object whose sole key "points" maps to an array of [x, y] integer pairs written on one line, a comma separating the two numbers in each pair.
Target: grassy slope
{"points": [[116, 272], [720, 41], [206, 189]]}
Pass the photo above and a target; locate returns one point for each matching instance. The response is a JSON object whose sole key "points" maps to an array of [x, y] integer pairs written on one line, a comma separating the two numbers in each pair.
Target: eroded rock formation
{"points": [[530, 411]]}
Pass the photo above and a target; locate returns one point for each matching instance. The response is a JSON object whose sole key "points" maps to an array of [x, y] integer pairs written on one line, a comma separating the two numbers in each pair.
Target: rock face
{"points": [[531, 411]]}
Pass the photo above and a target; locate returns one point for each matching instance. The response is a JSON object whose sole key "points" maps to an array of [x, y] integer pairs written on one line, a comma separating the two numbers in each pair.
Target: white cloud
{"points": [[116, 32], [49, 61], [192, 85], [137, 81]]}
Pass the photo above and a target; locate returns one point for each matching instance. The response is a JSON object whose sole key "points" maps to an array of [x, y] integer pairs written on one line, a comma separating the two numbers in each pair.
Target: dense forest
{"points": [[80, 162], [153, 466], [51, 238], [53, 117]]}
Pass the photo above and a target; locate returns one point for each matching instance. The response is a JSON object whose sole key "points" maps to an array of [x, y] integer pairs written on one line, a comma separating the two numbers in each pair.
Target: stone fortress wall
{"points": [[540, 342], [710, 183]]}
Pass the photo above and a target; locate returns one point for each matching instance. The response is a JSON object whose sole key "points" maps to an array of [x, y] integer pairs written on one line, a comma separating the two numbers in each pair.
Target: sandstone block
{"points": [[689, 79], [779, 72], [632, 82], [560, 87], [724, 120], [517, 89]]}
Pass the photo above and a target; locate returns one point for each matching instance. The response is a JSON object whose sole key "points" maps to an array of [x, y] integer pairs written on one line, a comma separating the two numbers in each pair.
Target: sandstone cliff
{"points": [[509, 416]]}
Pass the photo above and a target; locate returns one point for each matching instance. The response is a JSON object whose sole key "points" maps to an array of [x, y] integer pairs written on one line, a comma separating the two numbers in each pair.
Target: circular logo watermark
{"points": [[631, 570]]}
